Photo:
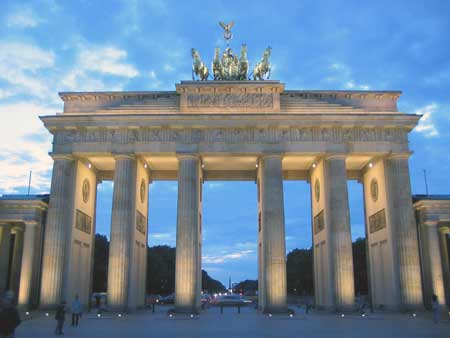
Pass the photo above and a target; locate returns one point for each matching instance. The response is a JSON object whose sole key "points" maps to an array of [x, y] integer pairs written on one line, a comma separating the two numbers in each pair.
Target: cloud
{"points": [[342, 76], [426, 125], [24, 146], [214, 185], [23, 17], [107, 60], [20, 66], [161, 235], [213, 259]]}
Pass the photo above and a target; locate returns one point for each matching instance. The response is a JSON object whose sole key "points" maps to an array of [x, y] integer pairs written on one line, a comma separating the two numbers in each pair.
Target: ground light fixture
{"points": [[192, 316], [291, 315], [27, 313], [119, 315], [46, 314], [270, 315], [99, 315], [342, 315], [414, 315]]}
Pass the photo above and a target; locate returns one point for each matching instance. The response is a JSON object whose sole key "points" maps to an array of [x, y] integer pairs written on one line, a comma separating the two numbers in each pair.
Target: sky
{"points": [[52, 46]]}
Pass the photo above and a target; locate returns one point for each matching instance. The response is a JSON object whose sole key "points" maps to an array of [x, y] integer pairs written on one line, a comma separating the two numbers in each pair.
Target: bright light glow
{"points": [[99, 315], [363, 315], [414, 314], [291, 315], [342, 315], [314, 165], [192, 316], [370, 165], [89, 165], [46, 314], [203, 165], [119, 315], [171, 315], [145, 165], [27, 313], [270, 315], [256, 165]]}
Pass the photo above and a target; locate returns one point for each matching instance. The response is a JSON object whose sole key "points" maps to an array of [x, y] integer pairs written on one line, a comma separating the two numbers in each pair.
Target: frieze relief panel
{"points": [[230, 135], [244, 100]]}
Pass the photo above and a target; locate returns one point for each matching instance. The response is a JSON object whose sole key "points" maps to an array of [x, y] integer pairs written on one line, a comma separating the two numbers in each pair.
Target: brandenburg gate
{"points": [[232, 130]]}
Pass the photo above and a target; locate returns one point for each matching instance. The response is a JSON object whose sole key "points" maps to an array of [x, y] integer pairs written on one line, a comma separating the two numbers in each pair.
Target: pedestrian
{"points": [[76, 310], [60, 317], [9, 316], [436, 308]]}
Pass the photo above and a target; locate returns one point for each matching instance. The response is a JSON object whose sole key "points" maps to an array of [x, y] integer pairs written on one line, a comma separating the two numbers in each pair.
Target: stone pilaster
{"points": [[403, 230], [16, 262], [59, 222], [444, 260], [188, 255], [273, 246], [432, 264], [338, 219], [27, 268], [122, 223], [5, 240]]}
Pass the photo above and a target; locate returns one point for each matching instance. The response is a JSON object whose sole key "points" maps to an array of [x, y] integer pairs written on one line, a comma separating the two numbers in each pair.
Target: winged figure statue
{"points": [[227, 29]]}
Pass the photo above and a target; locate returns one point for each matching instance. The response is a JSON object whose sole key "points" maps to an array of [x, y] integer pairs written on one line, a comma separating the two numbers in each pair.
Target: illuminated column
{"points": [[16, 262], [444, 260], [432, 264], [188, 250], [403, 224], [59, 222], [338, 219], [121, 226], [5, 240], [273, 247], [27, 268]]}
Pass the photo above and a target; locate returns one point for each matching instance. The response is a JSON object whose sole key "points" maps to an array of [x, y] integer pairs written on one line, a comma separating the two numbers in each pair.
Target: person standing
{"points": [[9, 316], [76, 310], [60, 317], [435, 308]]}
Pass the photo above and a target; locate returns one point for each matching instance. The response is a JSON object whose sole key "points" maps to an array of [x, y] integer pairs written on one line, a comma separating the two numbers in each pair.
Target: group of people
{"points": [[10, 318], [76, 309]]}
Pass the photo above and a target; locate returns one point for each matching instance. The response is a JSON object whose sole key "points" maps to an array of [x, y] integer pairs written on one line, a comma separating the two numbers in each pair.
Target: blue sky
{"points": [[50, 46]]}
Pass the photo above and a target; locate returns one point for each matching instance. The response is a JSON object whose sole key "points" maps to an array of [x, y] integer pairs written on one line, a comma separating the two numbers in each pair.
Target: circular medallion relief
{"points": [[86, 190], [374, 189], [317, 190], [142, 191]]}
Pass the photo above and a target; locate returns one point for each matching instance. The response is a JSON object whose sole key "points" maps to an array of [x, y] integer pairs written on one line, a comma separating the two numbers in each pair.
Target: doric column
{"points": [[404, 231], [121, 226], [338, 219], [433, 263], [273, 247], [16, 262], [5, 240], [188, 255], [444, 260], [27, 268], [57, 227]]}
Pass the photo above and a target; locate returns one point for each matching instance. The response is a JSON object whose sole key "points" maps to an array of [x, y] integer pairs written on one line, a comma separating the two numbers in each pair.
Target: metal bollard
{"points": [[239, 308], [221, 309]]}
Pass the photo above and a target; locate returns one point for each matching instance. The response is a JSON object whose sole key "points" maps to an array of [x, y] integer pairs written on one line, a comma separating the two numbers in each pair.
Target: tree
{"points": [[101, 256], [299, 270], [248, 287], [360, 266]]}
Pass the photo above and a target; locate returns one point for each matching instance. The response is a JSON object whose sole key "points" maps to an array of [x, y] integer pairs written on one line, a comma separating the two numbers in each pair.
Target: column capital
{"points": [[67, 157], [271, 155], [188, 156], [334, 156], [399, 156], [125, 156]]}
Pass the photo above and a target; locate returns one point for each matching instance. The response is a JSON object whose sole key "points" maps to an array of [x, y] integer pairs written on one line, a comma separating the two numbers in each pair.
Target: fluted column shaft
{"points": [[338, 219], [26, 273], [444, 261], [404, 231], [5, 240], [434, 263], [16, 262], [273, 235], [188, 256], [57, 226], [122, 223]]}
